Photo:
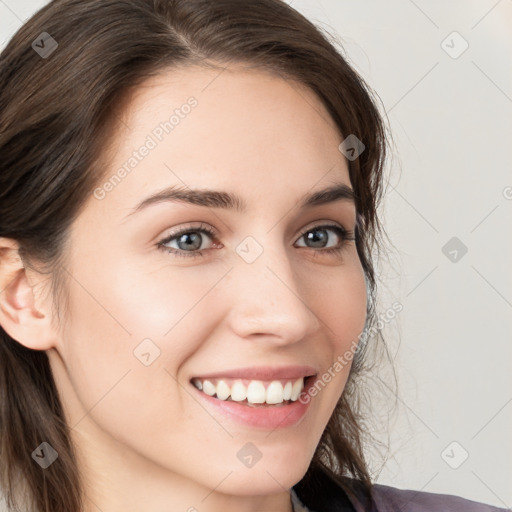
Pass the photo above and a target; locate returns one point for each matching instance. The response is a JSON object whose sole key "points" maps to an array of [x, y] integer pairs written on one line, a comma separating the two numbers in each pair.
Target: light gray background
{"points": [[451, 121]]}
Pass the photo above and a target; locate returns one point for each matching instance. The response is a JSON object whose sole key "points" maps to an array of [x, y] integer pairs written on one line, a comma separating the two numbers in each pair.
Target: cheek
{"points": [[120, 362], [131, 330], [344, 309], [121, 307], [342, 303]]}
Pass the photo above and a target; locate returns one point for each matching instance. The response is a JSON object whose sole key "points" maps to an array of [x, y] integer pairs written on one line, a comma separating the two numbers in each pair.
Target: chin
{"points": [[265, 479]]}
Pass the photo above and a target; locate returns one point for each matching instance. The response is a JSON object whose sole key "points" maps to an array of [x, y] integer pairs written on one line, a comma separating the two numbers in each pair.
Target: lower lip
{"points": [[265, 417]]}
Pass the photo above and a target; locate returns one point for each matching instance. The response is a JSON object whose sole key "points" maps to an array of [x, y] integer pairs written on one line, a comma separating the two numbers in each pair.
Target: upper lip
{"points": [[263, 373]]}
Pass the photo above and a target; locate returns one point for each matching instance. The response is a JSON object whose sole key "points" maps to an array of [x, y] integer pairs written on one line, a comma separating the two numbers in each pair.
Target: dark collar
{"points": [[323, 491]]}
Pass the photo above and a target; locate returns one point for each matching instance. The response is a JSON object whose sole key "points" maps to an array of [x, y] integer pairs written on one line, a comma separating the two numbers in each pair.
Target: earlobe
{"points": [[20, 317]]}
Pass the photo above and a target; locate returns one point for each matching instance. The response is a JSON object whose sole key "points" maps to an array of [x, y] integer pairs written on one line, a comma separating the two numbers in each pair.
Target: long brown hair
{"points": [[56, 114]]}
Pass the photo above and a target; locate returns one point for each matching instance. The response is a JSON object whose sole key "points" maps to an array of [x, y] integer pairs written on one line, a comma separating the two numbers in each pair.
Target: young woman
{"points": [[188, 214]]}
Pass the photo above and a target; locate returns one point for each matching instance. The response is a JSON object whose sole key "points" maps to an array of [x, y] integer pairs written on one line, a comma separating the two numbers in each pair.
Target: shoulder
{"points": [[391, 499], [323, 491]]}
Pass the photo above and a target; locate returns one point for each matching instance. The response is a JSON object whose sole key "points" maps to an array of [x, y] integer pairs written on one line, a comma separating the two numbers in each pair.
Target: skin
{"points": [[143, 442]]}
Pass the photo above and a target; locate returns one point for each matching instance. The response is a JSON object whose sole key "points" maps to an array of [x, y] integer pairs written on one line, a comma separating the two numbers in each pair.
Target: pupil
{"points": [[314, 238], [191, 235]]}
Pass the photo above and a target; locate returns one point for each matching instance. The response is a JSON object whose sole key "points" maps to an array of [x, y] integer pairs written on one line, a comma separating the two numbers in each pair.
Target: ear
{"points": [[24, 315]]}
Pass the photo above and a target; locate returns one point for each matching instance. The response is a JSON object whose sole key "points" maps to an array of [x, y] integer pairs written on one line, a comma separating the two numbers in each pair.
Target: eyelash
{"points": [[344, 234]]}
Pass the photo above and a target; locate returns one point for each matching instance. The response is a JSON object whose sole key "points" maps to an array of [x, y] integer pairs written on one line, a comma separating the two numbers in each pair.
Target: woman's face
{"points": [[262, 290]]}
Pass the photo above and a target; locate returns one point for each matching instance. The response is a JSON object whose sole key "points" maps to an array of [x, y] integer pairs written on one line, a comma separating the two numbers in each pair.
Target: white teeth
{"points": [[298, 386], [287, 392], [275, 393], [223, 390], [238, 391], [255, 392], [209, 388]]}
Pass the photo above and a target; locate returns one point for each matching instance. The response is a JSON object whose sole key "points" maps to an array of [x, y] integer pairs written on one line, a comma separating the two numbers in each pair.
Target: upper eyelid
{"points": [[323, 223], [186, 229], [207, 227]]}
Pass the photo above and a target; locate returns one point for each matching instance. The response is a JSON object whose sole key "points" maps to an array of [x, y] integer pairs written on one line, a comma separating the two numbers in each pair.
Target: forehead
{"points": [[248, 129]]}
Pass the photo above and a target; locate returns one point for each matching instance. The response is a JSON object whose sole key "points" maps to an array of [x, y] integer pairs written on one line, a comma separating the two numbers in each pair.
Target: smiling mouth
{"points": [[253, 393]]}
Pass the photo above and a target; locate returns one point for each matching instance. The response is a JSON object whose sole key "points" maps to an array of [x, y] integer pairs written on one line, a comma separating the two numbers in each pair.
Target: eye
{"points": [[190, 239], [320, 241]]}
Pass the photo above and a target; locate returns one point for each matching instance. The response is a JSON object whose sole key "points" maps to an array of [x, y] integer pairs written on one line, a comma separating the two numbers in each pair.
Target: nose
{"points": [[269, 302]]}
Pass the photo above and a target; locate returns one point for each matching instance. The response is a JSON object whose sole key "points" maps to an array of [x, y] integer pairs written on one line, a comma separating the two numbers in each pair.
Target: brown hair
{"points": [[56, 114]]}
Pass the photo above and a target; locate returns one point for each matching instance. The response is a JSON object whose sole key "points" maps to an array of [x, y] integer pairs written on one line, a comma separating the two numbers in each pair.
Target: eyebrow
{"points": [[229, 201]]}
